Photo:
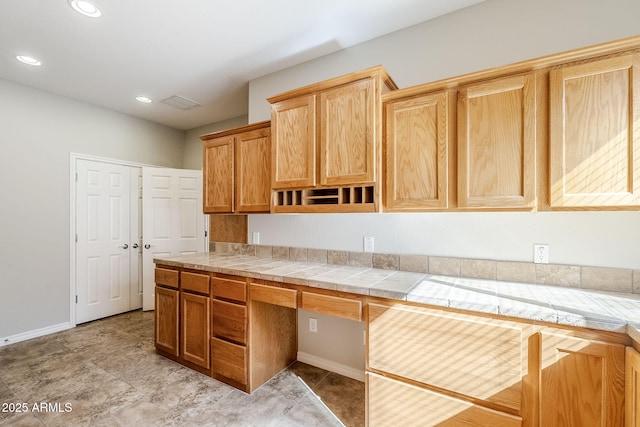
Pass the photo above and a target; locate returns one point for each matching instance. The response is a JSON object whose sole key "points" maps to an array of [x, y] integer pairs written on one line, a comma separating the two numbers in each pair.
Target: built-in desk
{"points": [[449, 349]]}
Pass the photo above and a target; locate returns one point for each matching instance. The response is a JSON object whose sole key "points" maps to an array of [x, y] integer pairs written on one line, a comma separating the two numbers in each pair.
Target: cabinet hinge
{"points": [[206, 233], [76, 176], [76, 237], [76, 299]]}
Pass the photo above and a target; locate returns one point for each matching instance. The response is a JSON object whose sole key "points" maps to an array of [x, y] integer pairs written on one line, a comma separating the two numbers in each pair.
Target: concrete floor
{"points": [[106, 373]]}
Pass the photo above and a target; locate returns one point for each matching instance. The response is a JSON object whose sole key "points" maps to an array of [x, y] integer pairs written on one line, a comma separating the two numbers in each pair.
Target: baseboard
{"points": [[34, 334], [330, 365]]}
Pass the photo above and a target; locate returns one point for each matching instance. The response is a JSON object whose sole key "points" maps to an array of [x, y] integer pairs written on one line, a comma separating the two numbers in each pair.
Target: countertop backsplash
{"points": [[573, 276]]}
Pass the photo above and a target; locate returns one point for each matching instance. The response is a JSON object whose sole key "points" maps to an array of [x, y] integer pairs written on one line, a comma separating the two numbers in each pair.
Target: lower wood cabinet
{"points": [[434, 367], [582, 381], [229, 361], [632, 388], [396, 403], [194, 333], [167, 321]]}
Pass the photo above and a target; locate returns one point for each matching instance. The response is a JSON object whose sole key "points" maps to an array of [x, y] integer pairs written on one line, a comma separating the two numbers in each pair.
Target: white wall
{"points": [[490, 34], [39, 130]]}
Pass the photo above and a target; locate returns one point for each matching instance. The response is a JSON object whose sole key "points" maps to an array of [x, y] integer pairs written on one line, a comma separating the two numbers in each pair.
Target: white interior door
{"points": [[103, 249], [173, 222], [135, 288]]}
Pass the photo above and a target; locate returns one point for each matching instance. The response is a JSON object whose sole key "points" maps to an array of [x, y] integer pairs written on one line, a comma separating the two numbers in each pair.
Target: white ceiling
{"points": [[203, 50]]}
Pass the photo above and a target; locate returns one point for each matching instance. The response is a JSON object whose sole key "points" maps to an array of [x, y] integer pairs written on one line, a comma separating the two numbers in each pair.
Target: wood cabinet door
{"points": [[347, 134], [195, 329], [418, 148], [582, 382], [293, 145], [218, 175], [632, 388], [595, 133], [253, 171], [496, 143], [396, 403], [166, 320], [480, 358]]}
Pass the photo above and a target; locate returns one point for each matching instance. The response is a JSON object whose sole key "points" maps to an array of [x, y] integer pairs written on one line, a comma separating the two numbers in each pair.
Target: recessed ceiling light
{"points": [[29, 60], [86, 8], [144, 99]]}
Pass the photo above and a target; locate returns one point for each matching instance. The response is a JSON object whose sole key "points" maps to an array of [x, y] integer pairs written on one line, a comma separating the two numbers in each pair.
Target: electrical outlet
{"points": [[368, 243], [541, 254], [255, 237], [313, 324]]}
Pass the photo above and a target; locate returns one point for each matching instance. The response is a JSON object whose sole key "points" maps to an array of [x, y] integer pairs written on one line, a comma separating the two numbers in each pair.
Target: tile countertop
{"points": [[608, 311]]}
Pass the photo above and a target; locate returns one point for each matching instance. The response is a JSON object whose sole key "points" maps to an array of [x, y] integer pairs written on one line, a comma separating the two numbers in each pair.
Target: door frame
{"points": [[73, 157]]}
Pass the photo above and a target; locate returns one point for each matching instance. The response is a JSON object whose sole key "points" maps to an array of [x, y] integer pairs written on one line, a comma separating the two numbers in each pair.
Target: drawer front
{"points": [[229, 360], [422, 407], [166, 277], [195, 282], [474, 356], [231, 289], [229, 321], [274, 295], [332, 306]]}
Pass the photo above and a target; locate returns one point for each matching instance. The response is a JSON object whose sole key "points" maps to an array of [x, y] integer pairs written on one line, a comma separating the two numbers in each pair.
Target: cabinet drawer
{"points": [[232, 289], [478, 357], [229, 360], [166, 277], [274, 295], [422, 407], [229, 321], [195, 282], [332, 306]]}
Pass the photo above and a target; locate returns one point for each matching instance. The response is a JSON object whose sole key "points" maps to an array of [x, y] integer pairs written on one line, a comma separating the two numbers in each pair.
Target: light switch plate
{"points": [[255, 238]]}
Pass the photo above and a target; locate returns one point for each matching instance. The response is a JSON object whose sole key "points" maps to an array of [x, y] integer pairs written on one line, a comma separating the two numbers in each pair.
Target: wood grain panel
{"points": [[595, 133], [218, 175], [227, 288], [167, 330], [253, 171], [271, 324], [394, 403], [333, 306], [418, 150], [228, 228], [632, 388], [195, 329], [195, 282], [477, 357], [274, 295], [347, 139], [496, 143], [582, 382], [293, 145], [229, 360], [229, 321], [166, 277]]}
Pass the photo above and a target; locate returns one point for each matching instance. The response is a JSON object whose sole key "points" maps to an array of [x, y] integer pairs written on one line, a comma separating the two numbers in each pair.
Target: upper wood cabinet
{"points": [[595, 133], [497, 134], [419, 144], [293, 149], [237, 172], [326, 136]]}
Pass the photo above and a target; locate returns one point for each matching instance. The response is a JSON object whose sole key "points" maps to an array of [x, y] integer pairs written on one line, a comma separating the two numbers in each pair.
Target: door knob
{"points": [[147, 246], [135, 246], [125, 246]]}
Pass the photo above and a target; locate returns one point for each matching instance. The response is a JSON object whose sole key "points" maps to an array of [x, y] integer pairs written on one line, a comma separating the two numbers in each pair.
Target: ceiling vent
{"points": [[179, 102]]}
